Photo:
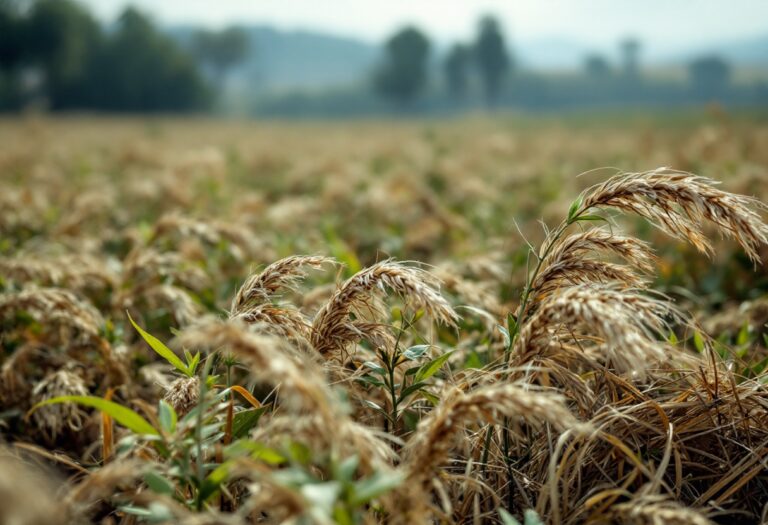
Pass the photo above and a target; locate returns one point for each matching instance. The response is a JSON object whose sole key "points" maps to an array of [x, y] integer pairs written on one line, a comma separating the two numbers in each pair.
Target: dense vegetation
{"points": [[55, 51], [207, 322]]}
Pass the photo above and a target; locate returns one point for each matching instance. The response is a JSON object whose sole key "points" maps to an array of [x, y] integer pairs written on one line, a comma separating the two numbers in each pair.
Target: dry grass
{"points": [[562, 372]]}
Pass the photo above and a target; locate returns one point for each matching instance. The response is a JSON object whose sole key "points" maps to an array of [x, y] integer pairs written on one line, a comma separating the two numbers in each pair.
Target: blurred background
{"points": [[340, 58]]}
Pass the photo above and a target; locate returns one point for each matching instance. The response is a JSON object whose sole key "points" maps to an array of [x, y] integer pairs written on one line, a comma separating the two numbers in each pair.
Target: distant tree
{"points": [[221, 50], [11, 54], [456, 68], [142, 69], [596, 66], [11, 27], [492, 57], [630, 53], [709, 75], [404, 72], [61, 37]]}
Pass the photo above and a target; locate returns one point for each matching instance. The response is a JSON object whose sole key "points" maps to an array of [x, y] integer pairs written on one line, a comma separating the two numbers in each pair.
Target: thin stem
{"points": [[550, 241]]}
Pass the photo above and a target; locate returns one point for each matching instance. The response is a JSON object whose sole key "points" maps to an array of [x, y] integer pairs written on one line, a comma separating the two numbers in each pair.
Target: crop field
{"points": [[472, 321]]}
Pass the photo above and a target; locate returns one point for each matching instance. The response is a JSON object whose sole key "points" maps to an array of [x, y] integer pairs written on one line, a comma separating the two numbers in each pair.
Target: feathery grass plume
{"points": [[475, 293], [656, 511], [349, 437], [183, 394], [145, 267], [286, 273], [53, 420], [436, 434], [82, 273], [567, 264], [283, 321], [627, 322], [184, 309], [27, 493], [62, 321], [430, 445], [152, 280], [333, 330], [63, 316], [679, 203], [241, 242], [253, 302], [713, 461], [301, 385], [100, 485]]}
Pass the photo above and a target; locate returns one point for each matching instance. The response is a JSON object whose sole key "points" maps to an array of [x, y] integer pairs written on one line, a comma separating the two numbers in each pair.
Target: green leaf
{"points": [[743, 337], [757, 369], [167, 416], [575, 205], [432, 398], [430, 368], [371, 381], [375, 367], [505, 333], [123, 415], [698, 341], [345, 471], [323, 495], [672, 339], [512, 329], [590, 218], [245, 420], [192, 361], [162, 350], [507, 518], [213, 481], [411, 389], [300, 453], [158, 484], [473, 361], [415, 352], [376, 485], [412, 370], [160, 513], [371, 404], [255, 451], [531, 518]]}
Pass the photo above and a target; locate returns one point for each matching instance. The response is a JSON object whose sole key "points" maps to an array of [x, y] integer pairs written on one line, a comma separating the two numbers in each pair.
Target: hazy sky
{"points": [[660, 23]]}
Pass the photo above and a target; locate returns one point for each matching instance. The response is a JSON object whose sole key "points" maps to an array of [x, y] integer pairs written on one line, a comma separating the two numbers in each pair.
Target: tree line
{"points": [[483, 68], [54, 52], [403, 74]]}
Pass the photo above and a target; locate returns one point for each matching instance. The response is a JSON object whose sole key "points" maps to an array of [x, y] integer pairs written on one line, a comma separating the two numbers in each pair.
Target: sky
{"points": [[659, 23]]}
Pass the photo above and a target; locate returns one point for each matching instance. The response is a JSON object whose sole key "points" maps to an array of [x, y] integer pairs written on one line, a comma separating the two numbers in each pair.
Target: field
{"points": [[469, 321]]}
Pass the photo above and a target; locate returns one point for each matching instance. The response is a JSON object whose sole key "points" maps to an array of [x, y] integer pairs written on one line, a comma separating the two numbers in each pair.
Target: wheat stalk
{"points": [[333, 330], [627, 322], [285, 273], [679, 203]]}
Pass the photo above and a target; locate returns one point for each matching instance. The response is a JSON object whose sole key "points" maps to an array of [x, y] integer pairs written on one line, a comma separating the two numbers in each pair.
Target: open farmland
{"points": [[384, 322]]}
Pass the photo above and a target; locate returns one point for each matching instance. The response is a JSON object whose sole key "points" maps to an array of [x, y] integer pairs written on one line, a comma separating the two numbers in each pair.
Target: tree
{"points": [[709, 75], [404, 72], [492, 58], [12, 54], [221, 50], [596, 66], [457, 70], [61, 37], [11, 27], [141, 69], [630, 52]]}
